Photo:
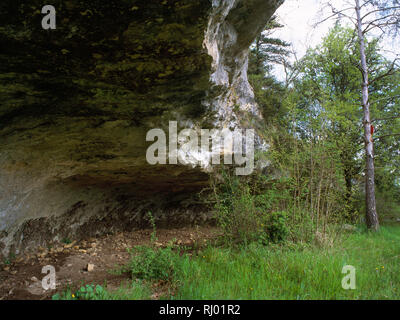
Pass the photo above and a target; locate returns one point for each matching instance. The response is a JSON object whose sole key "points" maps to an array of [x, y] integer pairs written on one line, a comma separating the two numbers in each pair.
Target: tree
{"points": [[264, 53], [267, 50], [328, 89], [371, 214], [385, 16]]}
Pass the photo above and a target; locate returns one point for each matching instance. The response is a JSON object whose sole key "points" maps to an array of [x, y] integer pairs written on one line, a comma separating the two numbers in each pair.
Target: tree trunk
{"points": [[371, 214]]}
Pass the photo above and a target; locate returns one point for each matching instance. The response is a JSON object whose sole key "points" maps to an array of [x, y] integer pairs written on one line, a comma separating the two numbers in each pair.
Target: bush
{"points": [[277, 226], [246, 216], [153, 263]]}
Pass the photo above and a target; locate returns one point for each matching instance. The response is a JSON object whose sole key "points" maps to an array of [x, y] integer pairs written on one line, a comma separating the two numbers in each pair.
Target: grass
{"points": [[299, 272], [291, 271]]}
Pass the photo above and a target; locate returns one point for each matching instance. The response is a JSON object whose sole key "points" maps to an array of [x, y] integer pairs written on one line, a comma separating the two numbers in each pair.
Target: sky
{"points": [[299, 18]]}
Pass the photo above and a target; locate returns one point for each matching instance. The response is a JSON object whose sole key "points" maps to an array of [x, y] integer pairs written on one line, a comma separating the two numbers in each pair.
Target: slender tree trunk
{"points": [[371, 214]]}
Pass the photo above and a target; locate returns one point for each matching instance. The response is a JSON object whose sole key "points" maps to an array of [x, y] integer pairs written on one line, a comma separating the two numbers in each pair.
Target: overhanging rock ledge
{"points": [[76, 103]]}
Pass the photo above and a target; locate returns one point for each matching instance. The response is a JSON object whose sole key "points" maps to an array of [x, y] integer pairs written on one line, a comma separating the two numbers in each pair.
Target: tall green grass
{"points": [[296, 272]]}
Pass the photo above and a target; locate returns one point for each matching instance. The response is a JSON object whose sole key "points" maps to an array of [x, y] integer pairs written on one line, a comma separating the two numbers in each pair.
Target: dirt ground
{"points": [[21, 277]]}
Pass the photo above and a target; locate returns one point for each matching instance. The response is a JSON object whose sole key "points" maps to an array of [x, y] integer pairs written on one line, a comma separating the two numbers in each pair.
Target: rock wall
{"points": [[77, 102]]}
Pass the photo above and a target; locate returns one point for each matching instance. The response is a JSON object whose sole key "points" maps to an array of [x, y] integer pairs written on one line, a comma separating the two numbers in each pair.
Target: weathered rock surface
{"points": [[76, 103]]}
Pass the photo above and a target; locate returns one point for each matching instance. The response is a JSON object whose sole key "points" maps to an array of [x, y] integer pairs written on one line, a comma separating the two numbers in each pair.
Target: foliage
{"points": [[134, 291], [88, 292], [150, 263], [245, 215], [325, 128], [265, 52]]}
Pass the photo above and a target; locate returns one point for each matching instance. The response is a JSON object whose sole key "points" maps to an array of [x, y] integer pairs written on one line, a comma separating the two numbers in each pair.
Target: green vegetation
{"points": [[246, 214], [280, 271], [313, 123], [152, 264], [277, 260], [296, 272], [136, 291], [66, 241]]}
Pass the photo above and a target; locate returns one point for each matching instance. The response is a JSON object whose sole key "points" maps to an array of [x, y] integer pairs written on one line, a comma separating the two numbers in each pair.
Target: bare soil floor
{"points": [[20, 276]]}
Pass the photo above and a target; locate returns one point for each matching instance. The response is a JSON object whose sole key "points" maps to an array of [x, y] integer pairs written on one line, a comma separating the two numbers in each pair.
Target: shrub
{"points": [[245, 215], [153, 263], [277, 226]]}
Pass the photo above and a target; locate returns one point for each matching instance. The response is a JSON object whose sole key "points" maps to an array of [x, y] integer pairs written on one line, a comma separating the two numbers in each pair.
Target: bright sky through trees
{"points": [[299, 18]]}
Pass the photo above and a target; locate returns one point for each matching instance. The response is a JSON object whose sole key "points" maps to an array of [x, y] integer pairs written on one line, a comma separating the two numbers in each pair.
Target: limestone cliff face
{"points": [[77, 102], [232, 28]]}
